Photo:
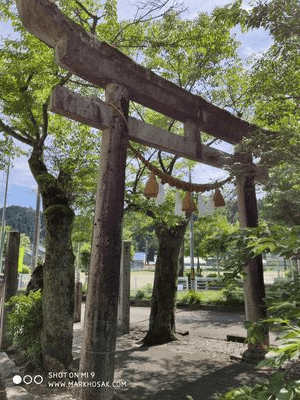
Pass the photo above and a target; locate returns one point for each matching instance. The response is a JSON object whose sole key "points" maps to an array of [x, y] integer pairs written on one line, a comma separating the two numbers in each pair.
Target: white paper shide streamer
{"points": [[210, 206], [161, 194], [178, 205], [201, 206]]}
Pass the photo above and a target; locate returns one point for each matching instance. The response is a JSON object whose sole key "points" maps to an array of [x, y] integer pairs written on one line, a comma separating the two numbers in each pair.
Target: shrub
{"points": [[26, 270], [212, 275], [202, 297], [24, 325], [234, 294], [190, 297], [265, 391], [84, 288], [144, 292]]}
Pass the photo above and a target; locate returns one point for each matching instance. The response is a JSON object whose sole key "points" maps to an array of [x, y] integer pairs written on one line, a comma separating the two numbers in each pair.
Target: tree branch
{"points": [[95, 18], [8, 130], [24, 88], [143, 18], [161, 163], [172, 165]]}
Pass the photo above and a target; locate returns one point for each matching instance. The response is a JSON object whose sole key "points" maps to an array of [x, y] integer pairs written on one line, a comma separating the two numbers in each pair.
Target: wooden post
{"points": [[78, 301], [10, 277], [124, 295], [98, 353], [254, 288]]}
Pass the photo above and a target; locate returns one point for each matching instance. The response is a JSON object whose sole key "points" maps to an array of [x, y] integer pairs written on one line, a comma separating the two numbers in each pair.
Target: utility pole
{"points": [[3, 216], [37, 229], [193, 285]]}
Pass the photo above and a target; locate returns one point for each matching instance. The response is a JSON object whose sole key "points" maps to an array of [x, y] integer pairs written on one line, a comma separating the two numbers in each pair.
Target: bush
{"points": [[212, 275], [26, 270], [144, 292], [274, 389], [207, 297], [24, 325], [234, 294], [190, 297], [84, 288]]}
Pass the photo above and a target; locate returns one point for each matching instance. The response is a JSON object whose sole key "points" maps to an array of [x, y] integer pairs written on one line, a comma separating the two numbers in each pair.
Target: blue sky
{"points": [[22, 187]]}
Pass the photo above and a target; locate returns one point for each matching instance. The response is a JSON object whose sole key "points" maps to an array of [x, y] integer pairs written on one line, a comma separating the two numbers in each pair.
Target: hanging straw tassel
{"points": [[151, 189], [161, 194], [178, 205], [218, 199], [201, 205], [188, 204]]}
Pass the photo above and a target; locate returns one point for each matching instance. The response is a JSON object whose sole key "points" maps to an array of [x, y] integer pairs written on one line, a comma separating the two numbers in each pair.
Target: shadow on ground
{"points": [[206, 318], [167, 372], [193, 365]]}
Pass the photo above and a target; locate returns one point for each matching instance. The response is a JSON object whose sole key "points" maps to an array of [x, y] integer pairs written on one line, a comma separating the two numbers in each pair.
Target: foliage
{"points": [[232, 295], [272, 91], [144, 292], [24, 324], [282, 200], [247, 243], [272, 390], [202, 297], [85, 256], [279, 17], [283, 301], [140, 230], [201, 44], [26, 270], [209, 233], [84, 288]]}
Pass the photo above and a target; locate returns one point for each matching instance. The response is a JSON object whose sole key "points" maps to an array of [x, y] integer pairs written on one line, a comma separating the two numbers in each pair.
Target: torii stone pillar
{"points": [[254, 288], [98, 353]]}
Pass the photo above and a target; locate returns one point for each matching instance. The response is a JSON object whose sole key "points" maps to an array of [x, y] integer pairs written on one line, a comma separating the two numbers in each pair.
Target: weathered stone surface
{"points": [[8, 369], [18, 393]]}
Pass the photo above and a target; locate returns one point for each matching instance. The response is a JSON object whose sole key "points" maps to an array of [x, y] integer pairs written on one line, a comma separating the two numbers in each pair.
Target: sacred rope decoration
{"points": [[153, 189]]}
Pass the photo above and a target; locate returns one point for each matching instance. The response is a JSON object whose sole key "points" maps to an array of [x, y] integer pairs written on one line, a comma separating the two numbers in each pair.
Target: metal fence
{"points": [[274, 268]]}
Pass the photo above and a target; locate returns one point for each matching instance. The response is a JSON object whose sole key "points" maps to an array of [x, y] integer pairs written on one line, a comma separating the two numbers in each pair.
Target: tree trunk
{"points": [[58, 272], [181, 259], [162, 316]]}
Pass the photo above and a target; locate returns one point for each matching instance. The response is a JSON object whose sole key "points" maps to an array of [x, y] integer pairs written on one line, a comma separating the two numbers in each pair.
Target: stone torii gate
{"points": [[84, 55]]}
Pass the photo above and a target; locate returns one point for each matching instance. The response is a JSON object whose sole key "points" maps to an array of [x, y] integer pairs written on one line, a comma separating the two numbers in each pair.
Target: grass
{"points": [[206, 297]]}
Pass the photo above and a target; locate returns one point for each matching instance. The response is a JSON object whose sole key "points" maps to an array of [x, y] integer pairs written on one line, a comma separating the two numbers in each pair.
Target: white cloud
{"points": [[255, 41], [21, 175]]}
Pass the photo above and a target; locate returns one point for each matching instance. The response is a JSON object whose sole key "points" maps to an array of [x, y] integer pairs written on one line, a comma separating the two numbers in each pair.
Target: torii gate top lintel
{"points": [[99, 63]]}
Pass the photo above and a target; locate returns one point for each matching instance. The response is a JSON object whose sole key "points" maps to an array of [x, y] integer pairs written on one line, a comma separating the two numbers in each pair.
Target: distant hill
{"points": [[22, 219]]}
